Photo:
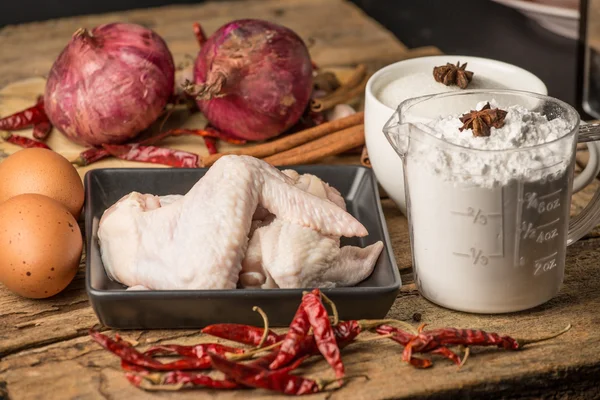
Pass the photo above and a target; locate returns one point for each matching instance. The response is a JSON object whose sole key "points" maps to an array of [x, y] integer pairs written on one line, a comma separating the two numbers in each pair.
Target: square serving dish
{"points": [[171, 309]]}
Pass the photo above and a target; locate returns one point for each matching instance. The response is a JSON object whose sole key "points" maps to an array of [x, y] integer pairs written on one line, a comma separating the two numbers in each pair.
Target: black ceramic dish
{"points": [[169, 309]]}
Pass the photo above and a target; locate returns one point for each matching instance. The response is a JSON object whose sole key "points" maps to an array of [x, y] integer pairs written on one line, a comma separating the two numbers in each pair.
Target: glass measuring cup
{"points": [[489, 228]]}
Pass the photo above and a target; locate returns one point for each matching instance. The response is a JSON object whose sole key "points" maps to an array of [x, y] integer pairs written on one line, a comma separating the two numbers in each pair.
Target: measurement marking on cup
{"points": [[517, 237], [539, 233], [540, 204], [545, 264], [477, 256], [548, 224], [547, 257], [550, 194], [477, 215]]}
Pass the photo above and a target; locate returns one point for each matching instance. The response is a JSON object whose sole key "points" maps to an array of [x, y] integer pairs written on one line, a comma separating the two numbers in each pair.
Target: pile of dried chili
{"points": [[147, 151], [273, 359], [32, 117]]}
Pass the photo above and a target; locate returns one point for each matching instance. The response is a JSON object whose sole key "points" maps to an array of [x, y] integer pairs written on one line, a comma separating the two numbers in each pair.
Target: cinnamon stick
{"points": [[328, 102], [345, 91], [290, 141], [323, 147], [364, 158], [357, 76]]}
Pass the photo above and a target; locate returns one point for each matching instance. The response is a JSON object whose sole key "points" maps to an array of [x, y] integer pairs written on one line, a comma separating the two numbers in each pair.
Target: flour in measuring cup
{"points": [[522, 129], [488, 226]]}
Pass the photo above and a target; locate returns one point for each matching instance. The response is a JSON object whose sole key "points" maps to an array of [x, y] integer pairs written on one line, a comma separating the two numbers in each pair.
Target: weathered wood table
{"points": [[45, 352]]}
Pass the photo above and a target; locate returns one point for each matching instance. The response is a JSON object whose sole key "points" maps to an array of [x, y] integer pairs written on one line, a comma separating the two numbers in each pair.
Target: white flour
{"points": [[488, 227], [522, 129], [422, 84]]}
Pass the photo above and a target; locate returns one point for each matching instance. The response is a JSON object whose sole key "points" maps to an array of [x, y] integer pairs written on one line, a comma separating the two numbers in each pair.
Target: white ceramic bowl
{"points": [[560, 17], [386, 164]]}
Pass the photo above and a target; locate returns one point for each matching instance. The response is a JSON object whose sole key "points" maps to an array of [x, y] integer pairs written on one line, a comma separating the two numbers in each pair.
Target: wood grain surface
{"points": [[45, 352]]}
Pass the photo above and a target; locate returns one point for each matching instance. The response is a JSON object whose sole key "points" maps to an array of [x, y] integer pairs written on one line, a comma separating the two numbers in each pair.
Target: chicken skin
{"points": [[198, 241], [283, 254]]}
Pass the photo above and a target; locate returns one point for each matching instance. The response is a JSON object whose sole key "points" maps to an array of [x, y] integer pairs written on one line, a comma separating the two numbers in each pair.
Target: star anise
{"points": [[451, 74], [482, 121]]}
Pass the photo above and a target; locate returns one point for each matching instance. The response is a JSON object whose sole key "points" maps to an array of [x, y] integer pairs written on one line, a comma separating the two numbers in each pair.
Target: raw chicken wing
{"points": [[198, 241], [287, 255]]}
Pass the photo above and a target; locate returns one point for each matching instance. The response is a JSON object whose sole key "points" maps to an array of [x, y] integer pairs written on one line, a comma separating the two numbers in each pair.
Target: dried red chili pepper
{"points": [[138, 375], [123, 350], [196, 351], [435, 341], [132, 367], [324, 335], [23, 119], [152, 154], [345, 332], [90, 156], [449, 354], [291, 345], [23, 141], [209, 132], [180, 380], [132, 356], [42, 130], [264, 361], [135, 379], [198, 379], [294, 365], [184, 364], [404, 338], [95, 154], [399, 335], [278, 381], [175, 380], [430, 340], [211, 145], [239, 333], [217, 134]]}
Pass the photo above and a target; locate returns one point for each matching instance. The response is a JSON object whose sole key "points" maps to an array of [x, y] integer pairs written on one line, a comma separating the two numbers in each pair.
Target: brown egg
{"points": [[44, 172], [40, 246]]}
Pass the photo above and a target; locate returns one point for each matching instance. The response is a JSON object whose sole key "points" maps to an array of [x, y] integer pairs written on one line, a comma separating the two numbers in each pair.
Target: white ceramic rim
{"points": [[373, 79], [541, 8]]}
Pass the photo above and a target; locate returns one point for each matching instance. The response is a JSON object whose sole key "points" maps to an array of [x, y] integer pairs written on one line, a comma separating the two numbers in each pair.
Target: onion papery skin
{"points": [[255, 79], [109, 84]]}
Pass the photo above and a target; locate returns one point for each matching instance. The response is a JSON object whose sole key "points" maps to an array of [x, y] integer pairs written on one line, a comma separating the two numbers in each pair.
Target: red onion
{"points": [[253, 79], [109, 84]]}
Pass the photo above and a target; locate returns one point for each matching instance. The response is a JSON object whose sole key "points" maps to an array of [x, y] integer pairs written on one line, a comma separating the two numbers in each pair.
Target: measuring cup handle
{"points": [[589, 217], [591, 170]]}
